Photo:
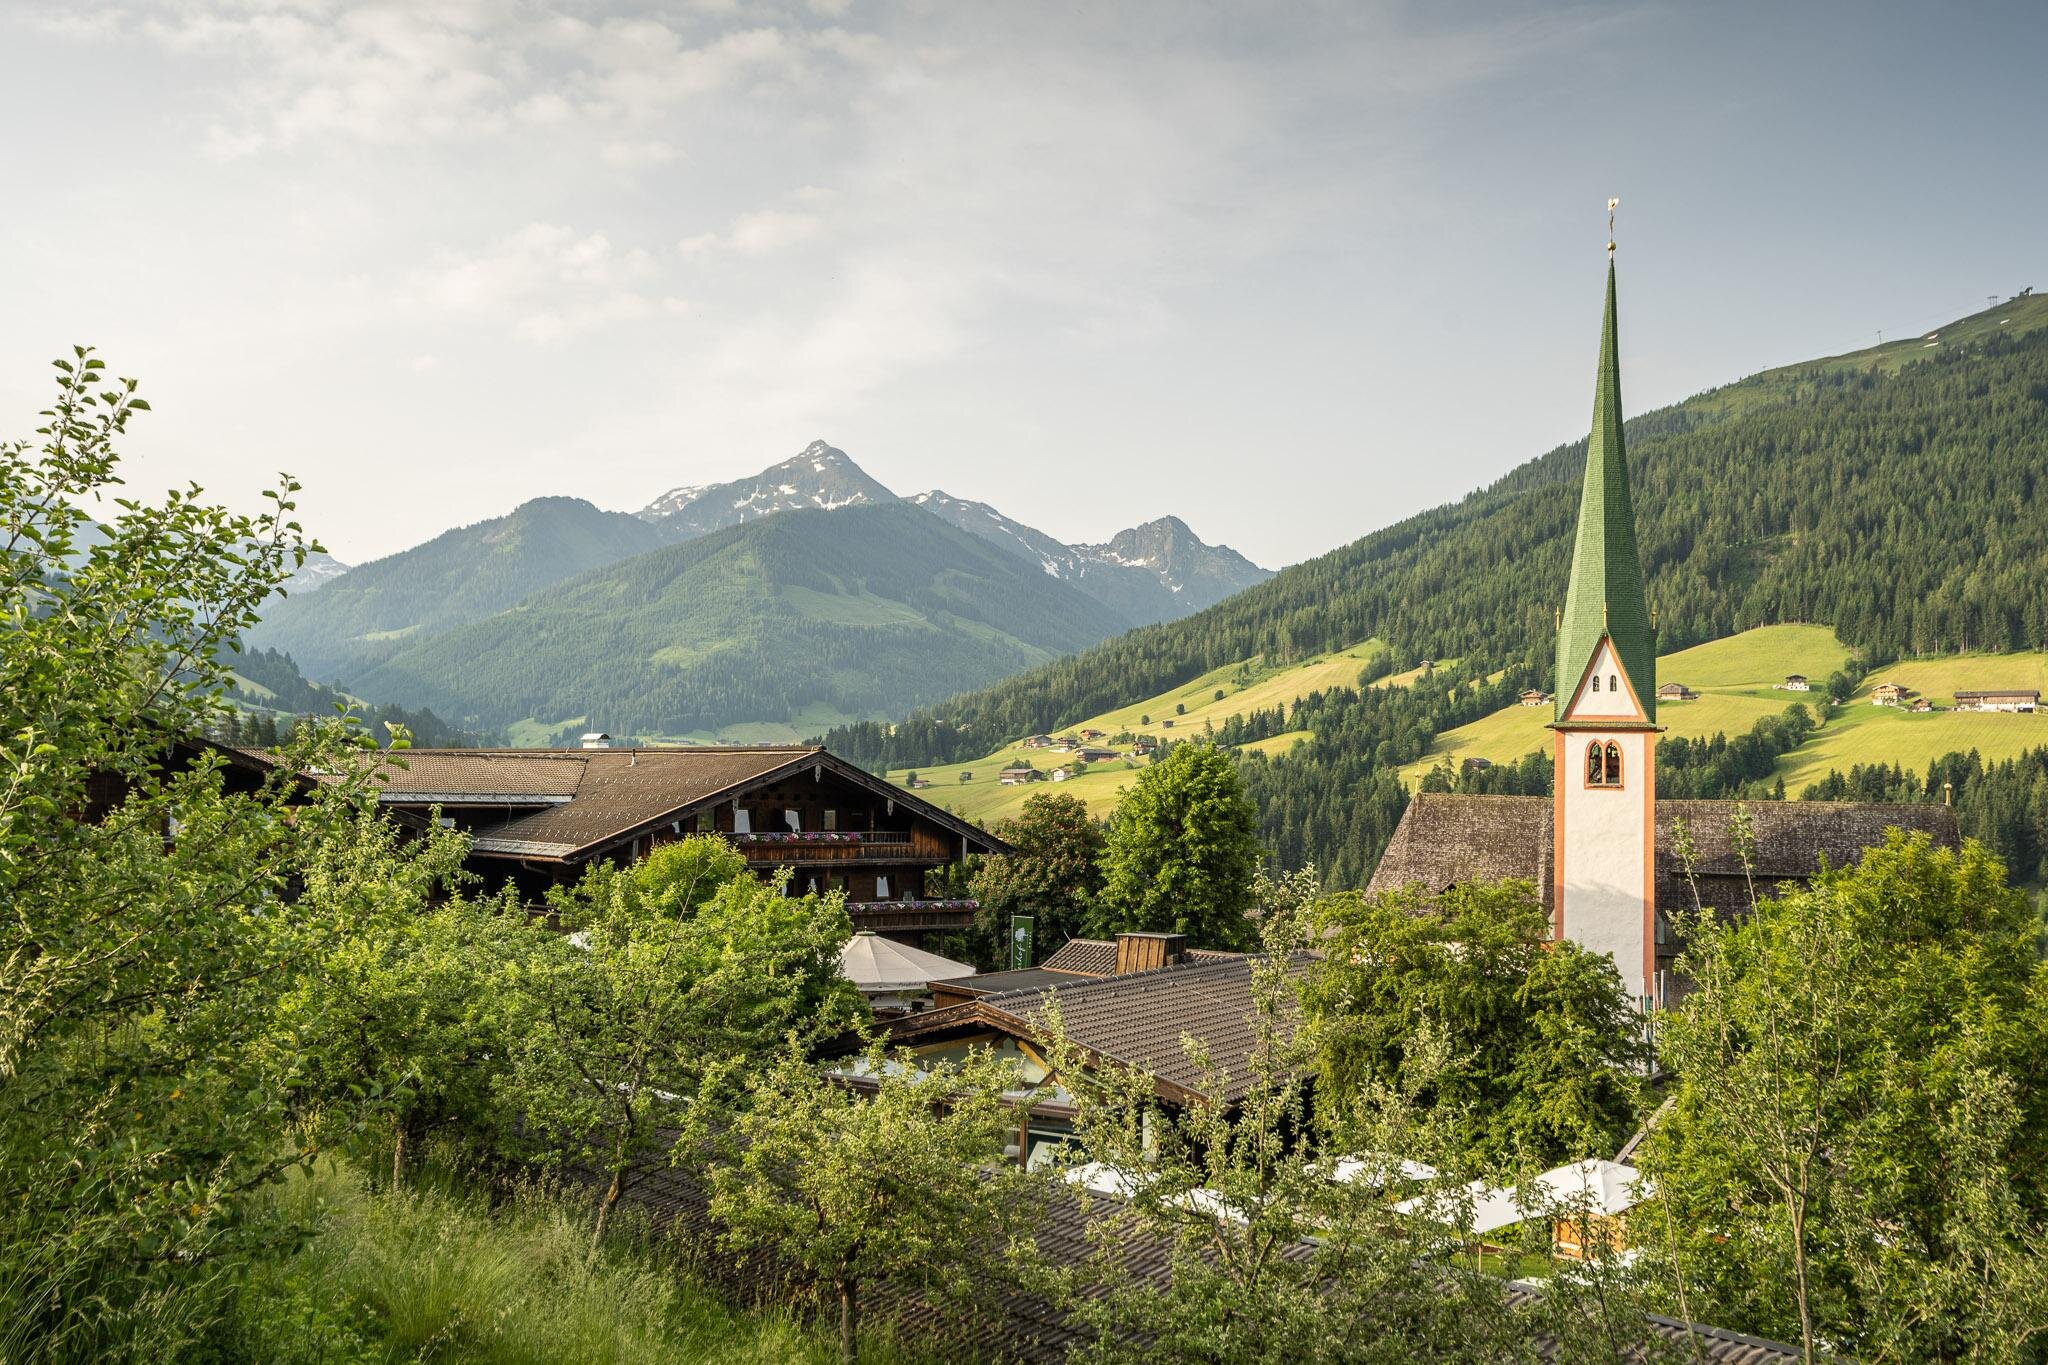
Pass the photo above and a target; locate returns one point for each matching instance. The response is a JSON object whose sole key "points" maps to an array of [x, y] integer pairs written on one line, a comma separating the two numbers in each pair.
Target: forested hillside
{"points": [[457, 577], [791, 617], [1889, 494], [1898, 507]]}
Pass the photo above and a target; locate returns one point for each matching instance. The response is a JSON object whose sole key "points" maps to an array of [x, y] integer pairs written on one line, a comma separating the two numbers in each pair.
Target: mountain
{"points": [[786, 623], [1891, 493], [1149, 573], [819, 477], [458, 577], [318, 571]]}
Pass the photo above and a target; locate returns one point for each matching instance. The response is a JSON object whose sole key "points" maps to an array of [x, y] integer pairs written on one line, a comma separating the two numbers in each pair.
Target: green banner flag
{"points": [[1020, 941]]}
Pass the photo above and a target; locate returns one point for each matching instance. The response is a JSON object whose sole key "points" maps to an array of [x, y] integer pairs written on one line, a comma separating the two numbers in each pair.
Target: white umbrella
{"points": [[875, 965]]}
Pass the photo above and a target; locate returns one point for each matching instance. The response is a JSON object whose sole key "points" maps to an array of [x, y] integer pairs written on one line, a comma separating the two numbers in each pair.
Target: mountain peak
{"points": [[820, 475]]}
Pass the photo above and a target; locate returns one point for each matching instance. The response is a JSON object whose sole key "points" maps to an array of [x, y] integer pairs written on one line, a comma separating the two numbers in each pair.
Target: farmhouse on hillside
{"points": [[1533, 697], [538, 817], [1675, 692], [2006, 700], [1887, 694], [1795, 682], [1602, 849], [1018, 774]]}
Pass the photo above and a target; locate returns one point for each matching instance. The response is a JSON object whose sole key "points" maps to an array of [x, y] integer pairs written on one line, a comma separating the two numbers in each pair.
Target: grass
{"points": [[434, 1274], [1862, 733], [1733, 676], [1248, 686]]}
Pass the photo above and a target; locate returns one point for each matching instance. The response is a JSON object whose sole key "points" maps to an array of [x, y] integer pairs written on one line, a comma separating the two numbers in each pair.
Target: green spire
{"points": [[1605, 596]]}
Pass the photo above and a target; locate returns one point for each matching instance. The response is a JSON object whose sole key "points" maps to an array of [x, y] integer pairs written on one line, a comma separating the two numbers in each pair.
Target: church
{"points": [[1602, 849]]}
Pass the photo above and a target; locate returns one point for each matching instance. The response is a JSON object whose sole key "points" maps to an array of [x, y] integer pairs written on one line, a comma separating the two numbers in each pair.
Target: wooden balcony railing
{"points": [[825, 845]]}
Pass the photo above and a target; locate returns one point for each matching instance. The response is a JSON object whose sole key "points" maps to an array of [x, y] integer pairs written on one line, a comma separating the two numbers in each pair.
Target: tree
{"points": [[150, 928], [1182, 852], [1054, 874], [902, 1179], [666, 986], [1856, 1155], [1292, 1230], [1544, 1047], [405, 1008]]}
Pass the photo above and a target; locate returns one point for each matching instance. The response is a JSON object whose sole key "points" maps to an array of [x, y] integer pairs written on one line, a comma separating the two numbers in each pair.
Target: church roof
{"points": [[1605, 593], [1444, 840]]}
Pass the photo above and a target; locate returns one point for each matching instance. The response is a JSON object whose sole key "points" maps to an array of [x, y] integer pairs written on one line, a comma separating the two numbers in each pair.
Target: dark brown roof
{"points": [[1444, 840], [1087, 956], [585, 800], [1136, 1020]]}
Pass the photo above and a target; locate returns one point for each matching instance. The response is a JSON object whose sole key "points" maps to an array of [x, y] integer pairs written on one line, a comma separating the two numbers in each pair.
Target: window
{"points": [[831, 819], [1603, 764], [1613, 683], [1596, 682]]}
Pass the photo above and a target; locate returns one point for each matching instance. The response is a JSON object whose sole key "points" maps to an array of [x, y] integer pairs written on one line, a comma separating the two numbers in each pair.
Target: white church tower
{"points": [[1605, 792]]}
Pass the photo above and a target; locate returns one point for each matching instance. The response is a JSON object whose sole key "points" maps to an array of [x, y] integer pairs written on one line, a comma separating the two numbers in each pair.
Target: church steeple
{"points": [[1605, 594]]}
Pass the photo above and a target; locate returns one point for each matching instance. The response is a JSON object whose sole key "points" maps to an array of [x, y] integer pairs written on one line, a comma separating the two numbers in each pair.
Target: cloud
{"points": [[543, 283]]}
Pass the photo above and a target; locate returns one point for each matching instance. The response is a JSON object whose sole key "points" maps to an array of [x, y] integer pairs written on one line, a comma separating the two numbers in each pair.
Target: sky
{"points": [[1288, 271]]}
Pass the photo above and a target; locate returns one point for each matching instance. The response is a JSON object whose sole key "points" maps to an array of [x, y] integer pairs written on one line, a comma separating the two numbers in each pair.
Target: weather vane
{"points": [[1612, 205]]}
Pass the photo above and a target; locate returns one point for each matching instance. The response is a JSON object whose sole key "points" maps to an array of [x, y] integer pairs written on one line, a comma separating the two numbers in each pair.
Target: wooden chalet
{"points": [[1019, 775], [2013, 699], [539, 817], [1672, 691], [1887, 694], [1533, 697], [1795, 682]]}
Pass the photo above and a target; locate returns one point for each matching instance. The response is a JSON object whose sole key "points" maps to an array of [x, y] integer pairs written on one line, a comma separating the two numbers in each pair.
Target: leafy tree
{"points": [[628, 1027], [904, 1182], [1856, 1156], [1182, 852], [1055, 873], [1277, 1219], [144, 1077], [404, 1007], [1543, 1044]]}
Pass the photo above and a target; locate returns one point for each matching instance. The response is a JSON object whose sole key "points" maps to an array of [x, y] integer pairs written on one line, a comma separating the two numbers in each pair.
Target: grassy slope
{"points": [[1734, 677], [985, 799], [1862, 733]]}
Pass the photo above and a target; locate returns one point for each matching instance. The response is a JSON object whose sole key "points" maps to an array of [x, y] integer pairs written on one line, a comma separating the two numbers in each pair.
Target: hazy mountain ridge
{"points": [[779, 619], [1149, 573]]}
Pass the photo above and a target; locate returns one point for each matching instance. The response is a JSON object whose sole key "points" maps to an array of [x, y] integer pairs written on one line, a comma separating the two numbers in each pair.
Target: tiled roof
{"points": [[1138, 1020], [1444, 840], [1087, 956]]}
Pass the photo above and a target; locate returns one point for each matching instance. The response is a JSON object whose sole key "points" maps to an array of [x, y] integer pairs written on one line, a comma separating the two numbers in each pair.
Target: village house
{"points": [[1065, 744], [1887, 694], [1091, 734], [1602, 851], [1038, 741], [1144, 744], [1135, 1014], [1920, 705], [1475, 764], [1532, 697], [1795, 682], [1088, 755], [1066, 771], [2005, 700], [538, 817], [1019, 774], [1675, 692]]}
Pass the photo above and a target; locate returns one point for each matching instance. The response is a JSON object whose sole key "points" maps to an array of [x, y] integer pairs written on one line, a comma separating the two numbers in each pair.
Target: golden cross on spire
{"points": [[1612, 205]]}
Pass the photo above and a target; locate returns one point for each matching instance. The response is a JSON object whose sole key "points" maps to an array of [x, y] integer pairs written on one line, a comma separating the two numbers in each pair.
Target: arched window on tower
{"points": [[1613, 683], [1596, 771], [1596, 682], [1613, 764]]}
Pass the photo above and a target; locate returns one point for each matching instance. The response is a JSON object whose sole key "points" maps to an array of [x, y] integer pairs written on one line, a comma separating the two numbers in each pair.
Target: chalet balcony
{"points": [[776, 847], [912, 914]]}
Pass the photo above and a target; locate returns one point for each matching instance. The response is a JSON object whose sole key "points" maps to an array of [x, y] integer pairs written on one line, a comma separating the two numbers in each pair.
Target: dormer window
{"points": [[1613, 683], [1596, 682]]}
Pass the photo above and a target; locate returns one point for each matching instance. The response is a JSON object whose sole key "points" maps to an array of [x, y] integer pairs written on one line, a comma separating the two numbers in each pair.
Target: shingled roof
{"points": [[1444, 840], [577, 802], [1097, 957], [1136, 1020]]}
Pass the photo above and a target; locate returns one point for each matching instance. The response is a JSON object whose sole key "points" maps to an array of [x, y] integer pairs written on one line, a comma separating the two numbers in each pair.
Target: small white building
{"points": [[1795, 682]]}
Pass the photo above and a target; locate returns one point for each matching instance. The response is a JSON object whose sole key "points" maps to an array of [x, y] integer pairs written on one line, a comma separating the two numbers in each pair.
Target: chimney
{"points": [[1143, 952]]}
